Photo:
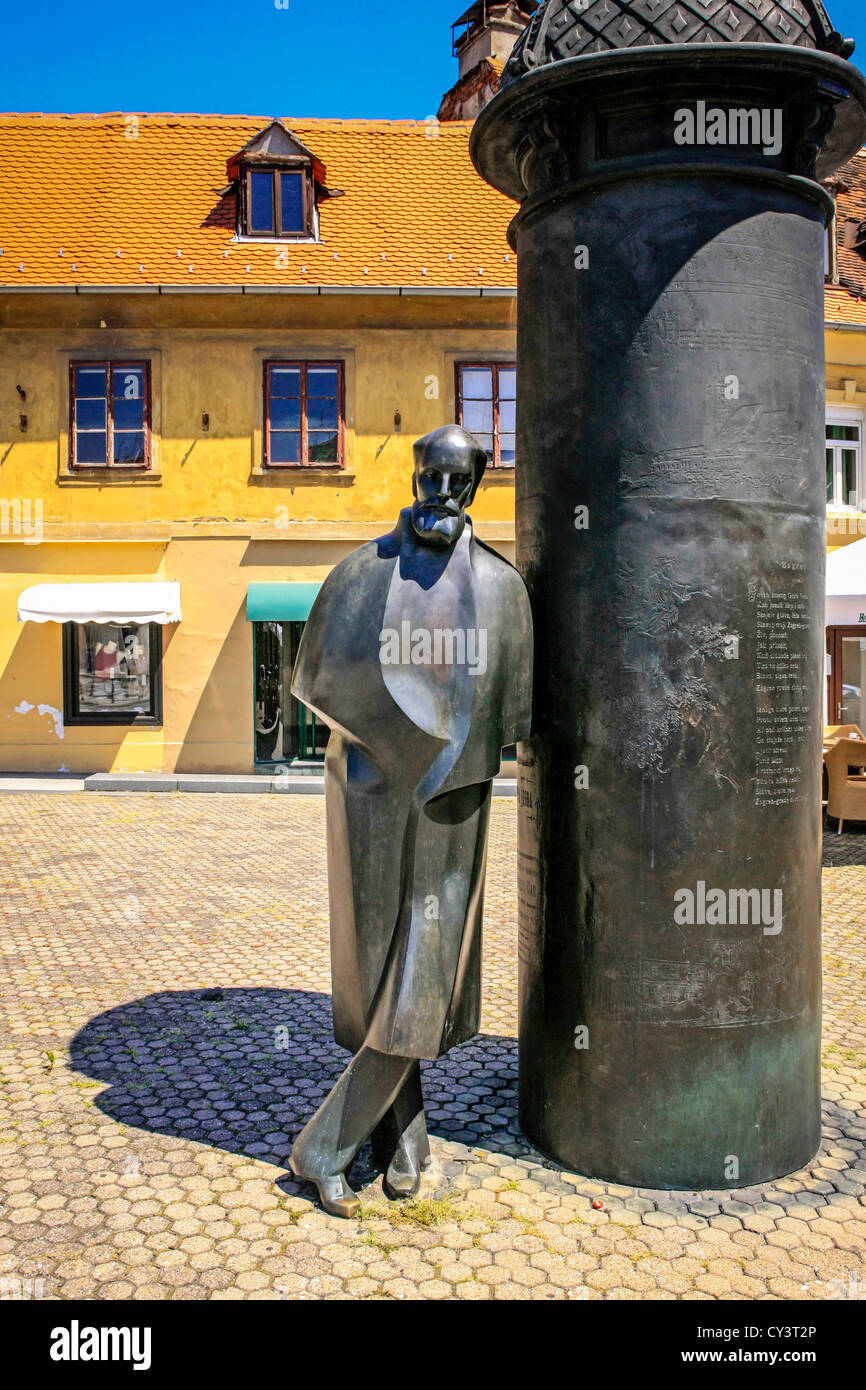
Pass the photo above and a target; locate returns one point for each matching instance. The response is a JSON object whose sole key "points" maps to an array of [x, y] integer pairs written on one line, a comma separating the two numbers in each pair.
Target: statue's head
{"points": [[449, 465]]}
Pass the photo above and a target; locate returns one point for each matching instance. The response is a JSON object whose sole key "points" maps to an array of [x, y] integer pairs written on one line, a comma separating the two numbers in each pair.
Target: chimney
{"points": [[482, 40]]}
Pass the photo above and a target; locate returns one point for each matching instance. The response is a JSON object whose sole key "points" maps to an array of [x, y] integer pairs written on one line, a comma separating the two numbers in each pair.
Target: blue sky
{"points": [[370, 58], [387, 58], [849, 17]]}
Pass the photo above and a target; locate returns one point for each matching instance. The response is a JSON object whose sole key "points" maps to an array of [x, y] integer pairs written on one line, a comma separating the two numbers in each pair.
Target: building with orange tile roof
{"points": [[220, 336]]}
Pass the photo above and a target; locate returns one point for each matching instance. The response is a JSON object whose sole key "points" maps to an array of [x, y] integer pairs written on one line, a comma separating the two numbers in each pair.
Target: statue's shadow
{"points": [[244, 1071]]}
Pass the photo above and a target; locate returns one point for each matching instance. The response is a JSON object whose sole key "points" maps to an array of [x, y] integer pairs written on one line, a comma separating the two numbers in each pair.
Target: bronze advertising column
{"points": [[670, 525]]}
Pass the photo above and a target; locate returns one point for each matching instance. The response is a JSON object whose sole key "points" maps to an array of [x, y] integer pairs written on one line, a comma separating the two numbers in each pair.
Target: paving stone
{"points": [[150, 1162]]}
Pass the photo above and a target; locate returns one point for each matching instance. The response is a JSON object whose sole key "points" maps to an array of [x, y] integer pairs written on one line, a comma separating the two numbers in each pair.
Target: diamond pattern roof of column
{"points": [[563, 29]]}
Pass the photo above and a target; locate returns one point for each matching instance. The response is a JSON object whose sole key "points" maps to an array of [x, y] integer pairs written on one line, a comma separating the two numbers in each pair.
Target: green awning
{"points": [[280, 603]]}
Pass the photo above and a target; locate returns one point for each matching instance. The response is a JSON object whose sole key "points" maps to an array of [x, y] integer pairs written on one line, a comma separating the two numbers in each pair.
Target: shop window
{"points": [[109, 406], [843, 458], [286, 730], [486, 399], [112, 673], [304, 415]]}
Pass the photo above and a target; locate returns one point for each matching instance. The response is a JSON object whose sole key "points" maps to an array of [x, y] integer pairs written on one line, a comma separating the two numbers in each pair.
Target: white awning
{"points": [[846, 585], [155, 602]]}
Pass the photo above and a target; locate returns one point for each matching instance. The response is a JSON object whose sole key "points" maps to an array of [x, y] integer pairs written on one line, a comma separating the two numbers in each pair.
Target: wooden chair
{"points": [[847, 791], [834, 731]]}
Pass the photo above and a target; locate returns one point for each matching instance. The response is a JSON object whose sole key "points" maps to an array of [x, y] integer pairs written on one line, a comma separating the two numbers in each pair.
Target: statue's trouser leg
{"points": [[369, 1087], [401, 1133]]}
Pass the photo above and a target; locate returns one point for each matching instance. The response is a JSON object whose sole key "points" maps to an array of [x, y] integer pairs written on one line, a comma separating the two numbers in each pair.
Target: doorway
{"points": [[846, 677], [286, 731]]}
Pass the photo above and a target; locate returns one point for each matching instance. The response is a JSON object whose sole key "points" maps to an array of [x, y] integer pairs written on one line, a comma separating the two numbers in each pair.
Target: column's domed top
{"points": [[562, 29]]}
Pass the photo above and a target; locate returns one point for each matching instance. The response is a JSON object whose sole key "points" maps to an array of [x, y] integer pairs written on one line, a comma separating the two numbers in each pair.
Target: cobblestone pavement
{"points": [[847, 848], [167, 1032]]}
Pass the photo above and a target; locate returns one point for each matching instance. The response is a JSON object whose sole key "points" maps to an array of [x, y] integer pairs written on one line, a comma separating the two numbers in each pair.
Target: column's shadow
{"points": [[244, 1071]]}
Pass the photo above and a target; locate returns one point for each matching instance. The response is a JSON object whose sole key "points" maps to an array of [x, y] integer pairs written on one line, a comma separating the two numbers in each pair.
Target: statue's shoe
{"points": [[400, 1184], [403, 1176], [335, 1194]]}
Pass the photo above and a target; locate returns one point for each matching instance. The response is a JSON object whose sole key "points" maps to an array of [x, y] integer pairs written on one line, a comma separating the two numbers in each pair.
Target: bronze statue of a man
{"points": [[418, 655]]}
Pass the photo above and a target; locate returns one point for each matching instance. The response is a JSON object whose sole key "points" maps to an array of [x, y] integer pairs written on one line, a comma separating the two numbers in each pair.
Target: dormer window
{"points": [[278, 202], [280, 184]]}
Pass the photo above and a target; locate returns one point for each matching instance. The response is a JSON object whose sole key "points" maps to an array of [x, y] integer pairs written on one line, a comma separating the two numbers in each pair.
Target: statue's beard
{"points": [[435, 525]]}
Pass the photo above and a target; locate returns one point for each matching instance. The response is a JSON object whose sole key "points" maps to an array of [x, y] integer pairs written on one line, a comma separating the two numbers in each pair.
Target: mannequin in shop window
{"points": [[135, 663], [106, 658]]}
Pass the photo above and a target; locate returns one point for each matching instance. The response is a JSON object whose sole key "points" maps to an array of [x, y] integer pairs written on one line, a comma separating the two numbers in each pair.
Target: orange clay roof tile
{"points": [[844, 307], [123, 198], [116, 191], [846, 302]]}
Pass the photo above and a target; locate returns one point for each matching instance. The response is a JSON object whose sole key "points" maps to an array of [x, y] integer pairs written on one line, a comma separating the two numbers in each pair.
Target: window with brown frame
{"points": [[278, 202], [109, 410], [485, 395], [304, 415]]}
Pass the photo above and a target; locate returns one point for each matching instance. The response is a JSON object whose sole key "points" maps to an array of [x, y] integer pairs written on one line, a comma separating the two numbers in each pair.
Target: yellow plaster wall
{"points": [[204, 518], [207, 353], [220, 527], [207, 658], [32, 736]]}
